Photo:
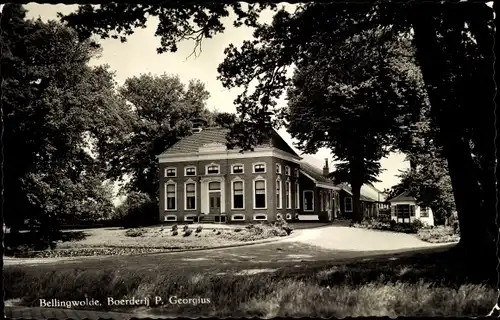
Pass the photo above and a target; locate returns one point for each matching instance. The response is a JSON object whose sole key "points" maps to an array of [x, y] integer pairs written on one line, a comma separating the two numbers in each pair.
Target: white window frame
{"points": [[278, 168], [190, 181], [238, 164], [189, 167], [238, 215], [297, 195], [289, 216], [211, 165], [279, 216], [171, 182], [260, 214], [189, 217], [170, 216], [280, 195], [259, 163], [288, 172], [170, 168], [259, 178], [232, 193], [289, 195], [304, 200], [345, 204]]}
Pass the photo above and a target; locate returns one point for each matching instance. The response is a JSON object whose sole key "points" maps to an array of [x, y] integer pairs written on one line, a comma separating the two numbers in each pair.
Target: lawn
{"points": [[430, 284], [119, 241]]}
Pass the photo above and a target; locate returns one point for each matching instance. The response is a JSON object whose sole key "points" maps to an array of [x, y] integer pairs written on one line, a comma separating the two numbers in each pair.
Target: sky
{"points": [[138, 55]]}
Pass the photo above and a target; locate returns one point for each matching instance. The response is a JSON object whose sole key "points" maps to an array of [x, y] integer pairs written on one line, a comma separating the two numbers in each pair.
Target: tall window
{"points": [[238, 195], [170, 172], [237, 168], [190, 171], [288, 195], [190, 196], [278, 194], [321, 202], [424, 213], [308, 200], [260, 194], [170, 191], [327, 200], [297, 196], [348, 204], [259, 168]]}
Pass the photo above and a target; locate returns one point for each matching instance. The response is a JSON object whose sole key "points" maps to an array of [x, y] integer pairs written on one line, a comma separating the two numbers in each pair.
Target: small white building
{"points": [[404, 209]]}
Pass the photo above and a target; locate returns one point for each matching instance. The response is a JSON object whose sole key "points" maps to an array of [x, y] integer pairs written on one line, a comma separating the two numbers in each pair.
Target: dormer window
{"points": [[287, 170], [237, 168], [170, 172], [278, 168], [213, 169], [259, 168], [190, 171]]}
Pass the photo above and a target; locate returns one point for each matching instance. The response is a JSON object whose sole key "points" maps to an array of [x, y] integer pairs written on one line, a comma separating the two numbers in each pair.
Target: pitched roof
{"points": [[193, 142], [404, 196], [362, 197], [314, 172]]}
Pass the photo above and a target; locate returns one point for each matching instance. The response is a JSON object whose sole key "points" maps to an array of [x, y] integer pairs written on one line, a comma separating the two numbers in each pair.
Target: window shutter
{"points": [[412, 211]]}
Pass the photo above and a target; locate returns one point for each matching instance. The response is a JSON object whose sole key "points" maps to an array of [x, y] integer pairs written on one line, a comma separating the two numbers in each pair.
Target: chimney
{"points": [[197, 124], [326, 169]]}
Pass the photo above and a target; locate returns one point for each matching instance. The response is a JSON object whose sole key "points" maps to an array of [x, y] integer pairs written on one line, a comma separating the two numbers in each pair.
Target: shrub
{"points": [[174, 233], [199, 229], [250, 226], [237, 230], [175, 227], [187, 232], [135, 232], [392, 224], [185, 228], [138, 210], [218, 232]]}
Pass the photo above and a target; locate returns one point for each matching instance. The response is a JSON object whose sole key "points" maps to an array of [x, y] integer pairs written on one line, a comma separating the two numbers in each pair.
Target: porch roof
{"points": [[404, 196]]}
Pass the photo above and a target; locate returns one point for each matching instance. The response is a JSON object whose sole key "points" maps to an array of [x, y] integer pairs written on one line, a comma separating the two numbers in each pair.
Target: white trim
{"points": [[260, 214], [289, 171], [259, 163], [297, 195], [190, 181], [325, 186], [189, 167], [308, 217], [238, 164], [211, 165], [259, 178], [280, 195], [165, 218], [238, 215], [345, 204], [187, 216], [303, 172], [171, 182], [289, 196], [237, 179], [288, 216], [170, 168], [229, 154], [278, 168], [304, 200]]}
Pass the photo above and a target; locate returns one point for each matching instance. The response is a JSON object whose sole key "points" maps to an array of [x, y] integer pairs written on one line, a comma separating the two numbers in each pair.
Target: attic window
{"points": [[213, 169], [170, 172], [287, 170]]}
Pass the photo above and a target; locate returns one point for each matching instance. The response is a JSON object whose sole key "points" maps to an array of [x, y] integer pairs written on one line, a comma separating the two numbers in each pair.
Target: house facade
{"points": [[372, 201], [202, 180], [404, 209]]}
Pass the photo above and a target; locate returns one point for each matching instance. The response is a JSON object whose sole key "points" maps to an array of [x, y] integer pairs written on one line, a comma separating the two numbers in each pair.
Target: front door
{"points": [[214, 200]]}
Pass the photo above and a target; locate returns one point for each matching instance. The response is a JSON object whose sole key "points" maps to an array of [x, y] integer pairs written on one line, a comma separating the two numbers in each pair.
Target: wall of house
{"points": [[225, 173], [283, 210], [426, 220]]}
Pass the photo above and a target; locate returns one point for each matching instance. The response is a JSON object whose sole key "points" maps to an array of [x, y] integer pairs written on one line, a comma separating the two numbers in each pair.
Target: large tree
{"points": [[353, 103], [162, 108], [453, 49], [57, 112]]}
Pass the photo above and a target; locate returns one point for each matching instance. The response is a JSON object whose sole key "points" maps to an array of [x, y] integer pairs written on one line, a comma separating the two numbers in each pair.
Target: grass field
{"points": [[422, 285]]}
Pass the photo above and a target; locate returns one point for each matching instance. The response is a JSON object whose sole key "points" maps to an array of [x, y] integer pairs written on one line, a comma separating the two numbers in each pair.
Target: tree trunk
{"points": [[357, 215], [445, 106]]}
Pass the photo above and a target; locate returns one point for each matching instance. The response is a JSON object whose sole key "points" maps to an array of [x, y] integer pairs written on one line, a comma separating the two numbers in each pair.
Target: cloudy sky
{"points": [[138, 55]]}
